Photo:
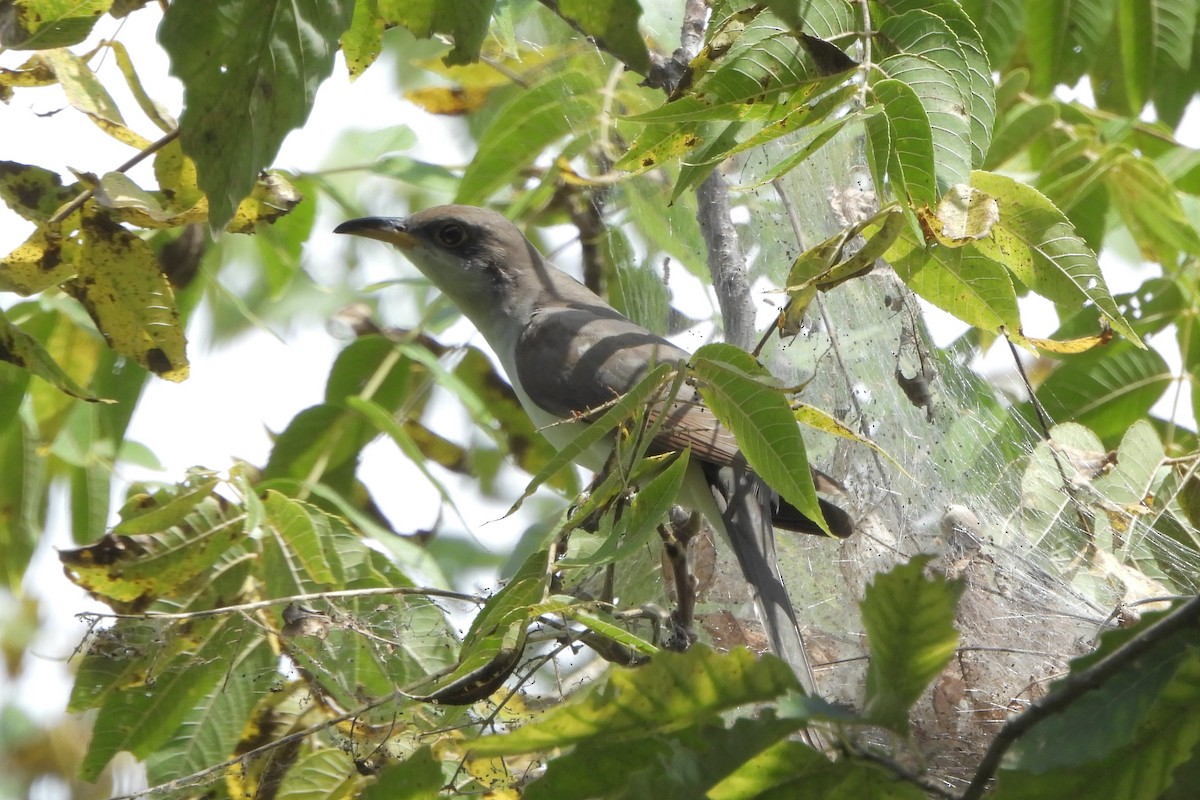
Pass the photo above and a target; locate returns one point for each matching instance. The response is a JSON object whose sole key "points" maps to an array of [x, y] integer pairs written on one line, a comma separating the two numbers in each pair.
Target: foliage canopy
{"points": [[273, 634]]}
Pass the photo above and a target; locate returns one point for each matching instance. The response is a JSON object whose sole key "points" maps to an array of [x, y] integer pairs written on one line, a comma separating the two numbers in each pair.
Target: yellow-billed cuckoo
{"points": [[568, 352]]}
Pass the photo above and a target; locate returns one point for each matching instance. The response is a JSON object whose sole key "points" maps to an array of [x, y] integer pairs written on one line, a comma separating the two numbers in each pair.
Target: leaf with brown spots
{"points": [[33, 192], [126, 294], [194, 528], [49, 23]]}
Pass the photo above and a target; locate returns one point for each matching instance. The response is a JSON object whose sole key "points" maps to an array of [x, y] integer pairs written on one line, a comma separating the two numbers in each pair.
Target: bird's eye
{"points": [[451, 234]]}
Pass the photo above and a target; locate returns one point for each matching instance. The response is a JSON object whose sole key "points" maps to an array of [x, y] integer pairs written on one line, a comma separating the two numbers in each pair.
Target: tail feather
{"points": [[743, 501]]}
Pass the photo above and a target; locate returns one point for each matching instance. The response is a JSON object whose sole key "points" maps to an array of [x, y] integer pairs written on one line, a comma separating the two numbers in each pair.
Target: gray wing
{"points": [[576, 356]]}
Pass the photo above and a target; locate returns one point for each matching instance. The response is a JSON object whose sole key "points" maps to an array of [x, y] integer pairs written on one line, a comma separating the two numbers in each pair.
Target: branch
{"points": [[73, 206], [195, 777], [1077, 685], [726, 263], [297, 598], [925, 784]]}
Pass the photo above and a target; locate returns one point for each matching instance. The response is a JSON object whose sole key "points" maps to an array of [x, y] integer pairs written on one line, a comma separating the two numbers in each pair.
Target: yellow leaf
{"points": [[126, 294], [823, 421], [272, 197], [1071, 346], [448, 101], [964, 214], [47, 258]]}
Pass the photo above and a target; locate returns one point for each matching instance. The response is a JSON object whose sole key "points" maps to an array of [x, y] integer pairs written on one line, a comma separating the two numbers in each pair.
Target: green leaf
{"points": [[1149, 205], [613, 24], [213, 726], [131, 571], [944, 34], [818, 134], [757, 74], [19, 348], [403, 437], [1037, 244], [465, 21], [302, 532], [740, 392], [625, 408], [1153, 33], [325, 773], [417, 777], [649, 507], [947, 107], [1107, 390], [1125, 738], [495, 642], [1174, 86], [250, 70], [142, 718], [902, 142], [790, 770], [23, 486], [1018, 130], [683, 763], [909, 621], [145, 514], [1063, 38], [43, 24], [959, 280], [562, 104], [673, 691], [1000, 24]]}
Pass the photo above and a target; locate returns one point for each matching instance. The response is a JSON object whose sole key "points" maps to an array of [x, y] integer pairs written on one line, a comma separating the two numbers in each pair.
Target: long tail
{"points": [[744, 503]]}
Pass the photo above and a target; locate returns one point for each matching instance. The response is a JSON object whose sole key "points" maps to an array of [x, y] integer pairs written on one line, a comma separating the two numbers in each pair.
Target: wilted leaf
{"points": [[123, 289], [131, 572], [31, 191], [46, 258], [448, 101], [963, 214]]}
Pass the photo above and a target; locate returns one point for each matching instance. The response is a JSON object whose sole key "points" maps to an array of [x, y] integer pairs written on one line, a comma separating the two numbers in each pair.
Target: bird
{"points": [[567, 352]]}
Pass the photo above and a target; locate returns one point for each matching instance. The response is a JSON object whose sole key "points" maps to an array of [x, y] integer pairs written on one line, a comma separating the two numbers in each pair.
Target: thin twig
{"points": [[1044, 421], [195, 777], [297, 598], [898, 770], [73, 206]]}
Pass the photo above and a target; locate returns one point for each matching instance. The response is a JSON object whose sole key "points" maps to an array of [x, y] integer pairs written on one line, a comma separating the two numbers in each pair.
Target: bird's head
{"points": [[475, 256]]}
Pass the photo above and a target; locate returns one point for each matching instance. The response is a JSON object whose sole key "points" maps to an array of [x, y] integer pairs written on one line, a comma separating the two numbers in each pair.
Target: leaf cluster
{"points": [[274, 634]]}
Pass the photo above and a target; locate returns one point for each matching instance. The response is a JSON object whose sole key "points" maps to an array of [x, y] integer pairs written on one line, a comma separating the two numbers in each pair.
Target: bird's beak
{"points": [[385, 229]]}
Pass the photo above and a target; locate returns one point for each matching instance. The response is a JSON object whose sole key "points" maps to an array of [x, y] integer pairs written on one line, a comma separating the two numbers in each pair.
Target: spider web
{"points": [[1045, 569]]}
